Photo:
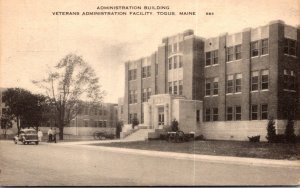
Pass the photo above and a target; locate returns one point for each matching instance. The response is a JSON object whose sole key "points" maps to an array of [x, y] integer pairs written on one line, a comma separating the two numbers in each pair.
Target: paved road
{"points": [[54, 164]]}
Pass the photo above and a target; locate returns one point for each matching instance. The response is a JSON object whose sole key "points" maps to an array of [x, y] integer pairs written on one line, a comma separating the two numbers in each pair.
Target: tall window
{"points": [[180, 61], [290, 47], [229, 114], [238, 52], [289, 80], [148, 71], [170, 63], [198, 115], [292, 79], [215, 86], [229, 83], [175, 61], [254, 81], [215, 57], [238, 83], [264, 46], [264, 111], [144, 72], [238, 113], [207, 87], [180, 87], [170, 87], [148, 93], [207, 114], [215, 114], [254, 49], [132, 74], [175, 87], [254, 112], [208, 59], [144, 95], [265, 79], [229, 54]]}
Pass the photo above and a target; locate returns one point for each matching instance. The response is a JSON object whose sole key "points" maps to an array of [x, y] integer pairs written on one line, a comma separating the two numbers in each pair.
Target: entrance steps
{"points": [[139, 135]]}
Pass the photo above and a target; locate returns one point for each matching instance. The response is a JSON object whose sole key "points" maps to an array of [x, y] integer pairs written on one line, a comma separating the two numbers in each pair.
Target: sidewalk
{"points": [[186, 156]]}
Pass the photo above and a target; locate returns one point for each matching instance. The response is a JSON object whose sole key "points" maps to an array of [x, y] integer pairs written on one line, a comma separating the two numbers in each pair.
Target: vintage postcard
{"points": [[150, 93]]}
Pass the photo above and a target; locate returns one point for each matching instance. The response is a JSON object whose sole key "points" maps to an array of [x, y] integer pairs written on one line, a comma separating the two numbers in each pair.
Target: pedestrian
{"points": [[40, 135], [50, 134]]}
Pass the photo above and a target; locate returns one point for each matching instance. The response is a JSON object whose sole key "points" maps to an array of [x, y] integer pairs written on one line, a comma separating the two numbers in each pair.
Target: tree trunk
{"points": [[61, 132]]}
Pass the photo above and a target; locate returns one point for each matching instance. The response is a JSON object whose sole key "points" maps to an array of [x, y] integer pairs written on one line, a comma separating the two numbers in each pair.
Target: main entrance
{"points": [[161, 116]]}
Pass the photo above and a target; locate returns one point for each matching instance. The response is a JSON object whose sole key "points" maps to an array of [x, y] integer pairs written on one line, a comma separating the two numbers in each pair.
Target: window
{"points": [[264, 111], [175, 87], [148, 71], [264, 46], [238, 113], [215, 86], [229, 54], [148, 93], [254, 49], [292, 84], [215, 57], [229, 114], [180, 61], [104, 123], [238, 83], [238, 50], [254, 81], [198, 115], [170, 87], [229, 83], [144, 72], [265, 79], [215, 114], [211, 58], [207, 114], [144, 95], [180, 87], [290, 47], [86, 123], [254, 112], [207, 88], [289, 80], [208, 58], [175, 62], [170, 63], [132, 96]]}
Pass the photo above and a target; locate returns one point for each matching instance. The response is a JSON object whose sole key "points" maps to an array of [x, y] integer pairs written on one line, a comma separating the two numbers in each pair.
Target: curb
{"points": [[198, 157]]}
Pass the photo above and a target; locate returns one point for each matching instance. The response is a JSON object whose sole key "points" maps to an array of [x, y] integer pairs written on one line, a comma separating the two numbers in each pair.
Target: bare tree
{"points": [[70, 82]]}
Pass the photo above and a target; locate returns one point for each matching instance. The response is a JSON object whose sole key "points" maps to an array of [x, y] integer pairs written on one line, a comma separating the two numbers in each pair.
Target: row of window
{"points": [[94, 111], [234, 53], [146, 71], [176, 47], [260, 47], [176, 87], [146, 94], [289, 80], [234, 113], [290, 47], [176, 61], [260, 78]]}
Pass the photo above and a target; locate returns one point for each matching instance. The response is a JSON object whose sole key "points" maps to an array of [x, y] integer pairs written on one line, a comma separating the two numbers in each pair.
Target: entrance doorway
{"points": [[161, 116]]}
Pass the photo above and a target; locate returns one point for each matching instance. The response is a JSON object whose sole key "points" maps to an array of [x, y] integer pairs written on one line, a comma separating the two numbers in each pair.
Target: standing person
{"points": [[50, 134], [54, 134], [40, 135]]}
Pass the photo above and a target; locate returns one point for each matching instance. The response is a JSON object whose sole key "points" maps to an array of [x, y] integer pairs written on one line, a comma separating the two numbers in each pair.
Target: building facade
{"points": [[241, 78]]}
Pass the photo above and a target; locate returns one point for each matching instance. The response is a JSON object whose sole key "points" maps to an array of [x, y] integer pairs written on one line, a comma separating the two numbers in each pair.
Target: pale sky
{"points": [[32, 39]]}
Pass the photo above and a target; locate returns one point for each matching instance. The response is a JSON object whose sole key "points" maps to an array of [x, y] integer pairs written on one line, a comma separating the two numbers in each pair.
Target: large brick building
{"points": [[241, 78]]}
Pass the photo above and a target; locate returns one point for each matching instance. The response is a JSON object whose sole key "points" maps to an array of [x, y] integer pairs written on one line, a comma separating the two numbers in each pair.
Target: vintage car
{"points": [[27, 136]]}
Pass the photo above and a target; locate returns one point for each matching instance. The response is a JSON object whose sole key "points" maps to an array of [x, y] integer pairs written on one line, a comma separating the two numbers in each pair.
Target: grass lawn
{"points": [[221, 148]]}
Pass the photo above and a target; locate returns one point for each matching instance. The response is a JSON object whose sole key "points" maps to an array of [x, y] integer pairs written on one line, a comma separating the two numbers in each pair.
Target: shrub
{"points": [[279, 138], [200, 137], [254, 138], [174, 126], [271, 131], [134, 122], [290, 132]]}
